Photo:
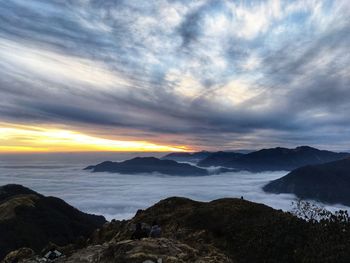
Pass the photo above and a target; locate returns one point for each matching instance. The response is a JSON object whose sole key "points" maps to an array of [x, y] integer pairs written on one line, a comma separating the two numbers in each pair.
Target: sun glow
{"points": [[23, 138]]}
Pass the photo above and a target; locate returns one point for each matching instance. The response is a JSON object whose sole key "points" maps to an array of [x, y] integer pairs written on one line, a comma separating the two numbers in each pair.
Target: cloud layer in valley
{"points": [[120, 196], [209, 74]]}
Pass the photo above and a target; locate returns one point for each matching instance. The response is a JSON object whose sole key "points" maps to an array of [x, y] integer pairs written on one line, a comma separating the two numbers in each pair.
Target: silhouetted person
{"points": [[242, 197], [139, 232], [156, 230]]}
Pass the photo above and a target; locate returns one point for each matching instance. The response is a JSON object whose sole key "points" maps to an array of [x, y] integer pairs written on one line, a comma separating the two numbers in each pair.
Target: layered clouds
{"points": [[207, 74]]}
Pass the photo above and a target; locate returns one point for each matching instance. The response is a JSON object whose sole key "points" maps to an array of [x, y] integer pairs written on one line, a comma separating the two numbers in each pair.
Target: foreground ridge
{"points": [[223, 230]]}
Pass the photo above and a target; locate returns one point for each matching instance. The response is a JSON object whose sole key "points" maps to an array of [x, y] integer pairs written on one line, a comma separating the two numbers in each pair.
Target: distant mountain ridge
{"points": [[273, 159], [193, 157], [219, 159], [148, 165], [328, 182]]}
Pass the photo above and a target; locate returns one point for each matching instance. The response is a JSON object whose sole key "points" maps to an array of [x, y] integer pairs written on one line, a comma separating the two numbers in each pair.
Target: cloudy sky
{"points": [[174, 74]]}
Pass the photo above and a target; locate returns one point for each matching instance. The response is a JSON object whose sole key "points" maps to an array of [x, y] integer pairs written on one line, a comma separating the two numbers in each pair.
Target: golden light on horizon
{"points": [[21, 138]]}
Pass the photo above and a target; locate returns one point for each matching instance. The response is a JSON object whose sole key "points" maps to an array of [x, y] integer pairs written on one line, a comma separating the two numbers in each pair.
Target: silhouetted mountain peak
{"points": [[193, 157], [10, 190], [143, 160], [148, 165], [33, 220], [306, 148], [327, 182]]}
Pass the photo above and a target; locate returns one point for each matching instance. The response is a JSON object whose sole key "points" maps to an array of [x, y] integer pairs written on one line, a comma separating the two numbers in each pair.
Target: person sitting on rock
{"points": [[139, 232], [155, 230]]}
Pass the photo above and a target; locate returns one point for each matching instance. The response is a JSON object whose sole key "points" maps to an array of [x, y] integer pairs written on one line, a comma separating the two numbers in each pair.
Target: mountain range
{"points": [[273, 159]]}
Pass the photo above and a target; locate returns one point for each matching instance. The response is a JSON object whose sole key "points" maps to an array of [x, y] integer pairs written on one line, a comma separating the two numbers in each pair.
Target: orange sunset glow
{"points": [[23, 138]]}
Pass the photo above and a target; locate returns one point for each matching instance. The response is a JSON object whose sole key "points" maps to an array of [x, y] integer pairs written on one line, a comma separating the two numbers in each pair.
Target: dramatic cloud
{"points": [[206, 74]]}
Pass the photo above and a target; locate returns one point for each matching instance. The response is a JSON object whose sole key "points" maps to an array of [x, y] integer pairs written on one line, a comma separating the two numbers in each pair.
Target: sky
{"points": [[173, 75]]}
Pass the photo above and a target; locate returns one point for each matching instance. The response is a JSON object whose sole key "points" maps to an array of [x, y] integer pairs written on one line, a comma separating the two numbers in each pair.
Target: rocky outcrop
{"points": [[29, 219], [19, 255], [149, 165], [146, 250], [238, 228], [329, 182]]}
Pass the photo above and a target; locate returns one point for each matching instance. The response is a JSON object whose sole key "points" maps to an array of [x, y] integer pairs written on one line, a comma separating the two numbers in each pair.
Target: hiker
{"points": [[155, 230], [139, 232]]}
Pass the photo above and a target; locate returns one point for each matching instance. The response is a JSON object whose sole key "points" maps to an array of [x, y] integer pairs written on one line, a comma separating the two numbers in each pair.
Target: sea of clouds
{"points": [[120, 196]]}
